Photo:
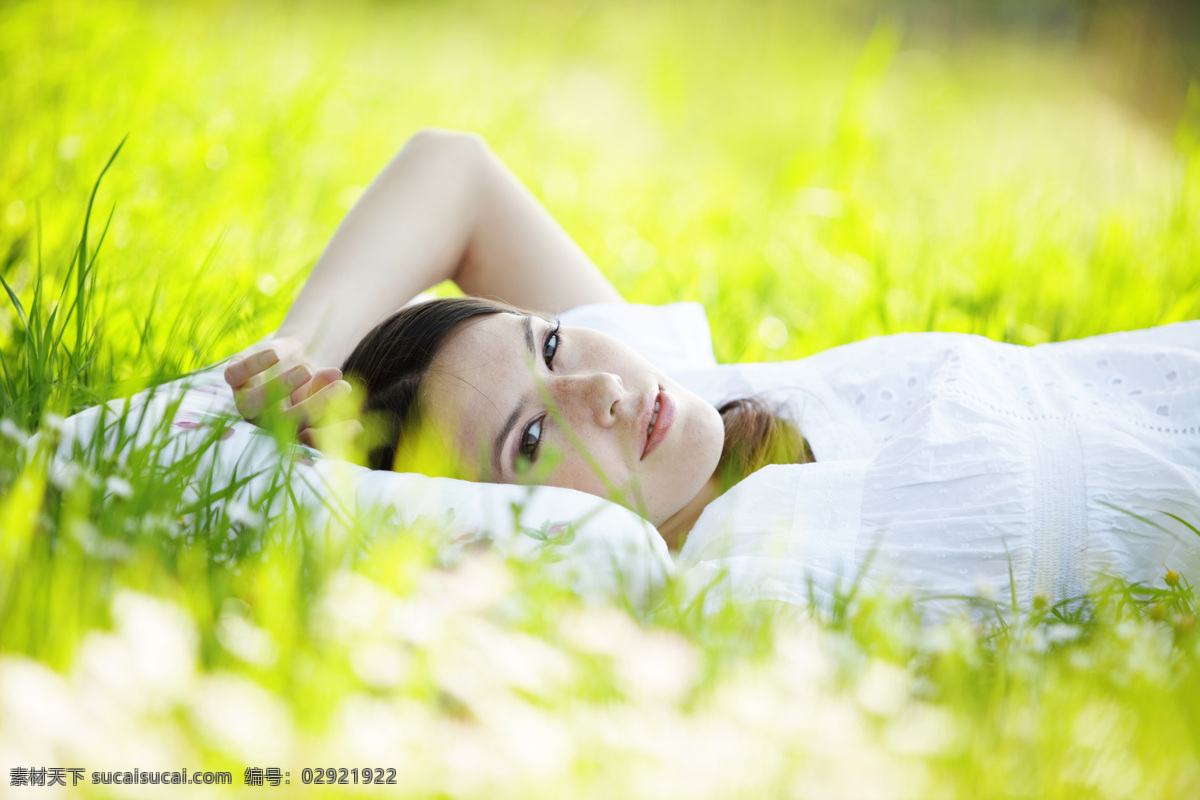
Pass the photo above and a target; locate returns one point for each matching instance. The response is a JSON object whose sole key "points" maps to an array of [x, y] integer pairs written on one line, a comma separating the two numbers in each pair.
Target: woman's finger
{"points": [[260, 357], [320, 379], [247, 365], [317, 405], [252, 400]]}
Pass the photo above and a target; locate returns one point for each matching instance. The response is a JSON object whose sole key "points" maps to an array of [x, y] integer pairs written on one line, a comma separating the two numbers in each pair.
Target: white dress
{"points": [[948, 462]]}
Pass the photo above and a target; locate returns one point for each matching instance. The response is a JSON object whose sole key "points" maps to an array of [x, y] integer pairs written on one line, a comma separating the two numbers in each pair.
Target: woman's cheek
{"points": [[575, 472]]}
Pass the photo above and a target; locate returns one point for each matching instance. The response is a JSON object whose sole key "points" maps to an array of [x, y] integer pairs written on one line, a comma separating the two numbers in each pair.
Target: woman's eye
{"points": [[551, 346], [530, 439]]}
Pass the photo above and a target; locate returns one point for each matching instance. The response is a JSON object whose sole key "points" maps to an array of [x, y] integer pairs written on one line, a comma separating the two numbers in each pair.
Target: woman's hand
{"points": [[274, 377]]}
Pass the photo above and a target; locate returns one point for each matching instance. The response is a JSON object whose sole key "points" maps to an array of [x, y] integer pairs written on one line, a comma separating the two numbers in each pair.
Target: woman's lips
{"points": [[657, 426]]}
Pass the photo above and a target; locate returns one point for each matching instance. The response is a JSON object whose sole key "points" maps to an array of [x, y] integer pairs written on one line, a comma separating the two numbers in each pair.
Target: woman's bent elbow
{"points": [[456, 144]]}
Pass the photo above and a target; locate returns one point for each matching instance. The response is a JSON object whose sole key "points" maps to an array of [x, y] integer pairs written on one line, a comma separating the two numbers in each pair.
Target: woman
{"points": [[941, 461], [447, 209]]}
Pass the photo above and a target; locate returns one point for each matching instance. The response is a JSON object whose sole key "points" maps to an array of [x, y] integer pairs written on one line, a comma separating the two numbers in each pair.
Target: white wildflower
{"points": [[883, 689], [242, 514], [417, 622], [516, 659], [536, 743], [369, 730], [118, 487], [1035, 639], [1060, 634], [35, 700], [93, 540], [243, 719], [161, 640], [351, 605], [921, 730], [652, 665], [664, 667], [602, 631], [84, 532], [802, 662], [379, 665], [13, 431], [475, 584], [65, 474], [242, 637], [165, 523]]}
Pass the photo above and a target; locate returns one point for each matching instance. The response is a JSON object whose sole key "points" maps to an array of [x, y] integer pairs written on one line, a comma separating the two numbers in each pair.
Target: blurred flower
{"points": [[883, 688], [802, 662], [242, 637], [664, 666], [1041, 600], [35, 700], [13, 431], [516, 659], [242, 514], [161, 523], [650, 664], [351, 605], [476, 583], [1035, 640], [379, 665], [1063, 633], [418, 621], [534, 741], [921, 730], [148, 660], [603, 631], [68, 474], [243, 719], [397, 733], [118, 487]]}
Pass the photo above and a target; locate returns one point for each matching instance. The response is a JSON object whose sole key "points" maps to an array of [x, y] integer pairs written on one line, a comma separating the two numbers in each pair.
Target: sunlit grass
{"points": [[812, 178]]}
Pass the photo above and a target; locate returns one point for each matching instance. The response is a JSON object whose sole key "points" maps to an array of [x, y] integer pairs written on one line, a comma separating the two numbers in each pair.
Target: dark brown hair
{"points": [[391, 361], [394, 357]]}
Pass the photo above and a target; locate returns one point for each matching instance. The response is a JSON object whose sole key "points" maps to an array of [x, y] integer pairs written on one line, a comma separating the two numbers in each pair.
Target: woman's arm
{"points": [[444, 208]]}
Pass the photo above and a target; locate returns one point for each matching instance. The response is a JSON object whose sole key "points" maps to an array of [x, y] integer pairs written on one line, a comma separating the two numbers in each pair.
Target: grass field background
{"points": [[814, 174]]}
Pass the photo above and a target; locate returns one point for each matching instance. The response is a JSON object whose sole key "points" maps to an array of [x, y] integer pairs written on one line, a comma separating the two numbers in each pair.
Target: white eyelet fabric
{"points": [[948, 462]]}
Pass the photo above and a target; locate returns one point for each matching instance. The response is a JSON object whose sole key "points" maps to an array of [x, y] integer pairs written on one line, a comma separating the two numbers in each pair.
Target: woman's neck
{"points": [[675, 530]]}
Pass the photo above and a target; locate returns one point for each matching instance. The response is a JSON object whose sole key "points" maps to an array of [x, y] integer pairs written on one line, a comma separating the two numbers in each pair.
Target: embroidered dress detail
{"points": [[1060, 532]]}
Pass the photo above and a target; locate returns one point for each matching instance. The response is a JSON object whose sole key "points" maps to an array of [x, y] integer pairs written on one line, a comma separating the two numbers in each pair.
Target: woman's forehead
{"points": [[481, 340], [478, 378]]}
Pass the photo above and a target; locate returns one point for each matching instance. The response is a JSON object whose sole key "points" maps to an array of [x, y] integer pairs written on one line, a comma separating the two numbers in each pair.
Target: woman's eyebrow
{"points": [[498, 445], [528, 323]]}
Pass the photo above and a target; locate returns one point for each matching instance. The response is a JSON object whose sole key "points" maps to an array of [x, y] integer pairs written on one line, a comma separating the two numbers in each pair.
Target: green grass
{"points": [[831, 174]]}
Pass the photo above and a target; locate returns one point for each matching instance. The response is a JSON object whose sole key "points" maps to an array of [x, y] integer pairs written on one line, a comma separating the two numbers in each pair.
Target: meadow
{"points": [[813, 174]]}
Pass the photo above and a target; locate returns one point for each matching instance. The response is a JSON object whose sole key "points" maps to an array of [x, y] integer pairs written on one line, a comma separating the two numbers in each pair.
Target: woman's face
{"points": [[513, 394]]}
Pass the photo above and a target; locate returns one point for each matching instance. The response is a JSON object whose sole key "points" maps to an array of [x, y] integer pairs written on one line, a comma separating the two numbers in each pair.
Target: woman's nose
{"points": [[598, 393]]}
